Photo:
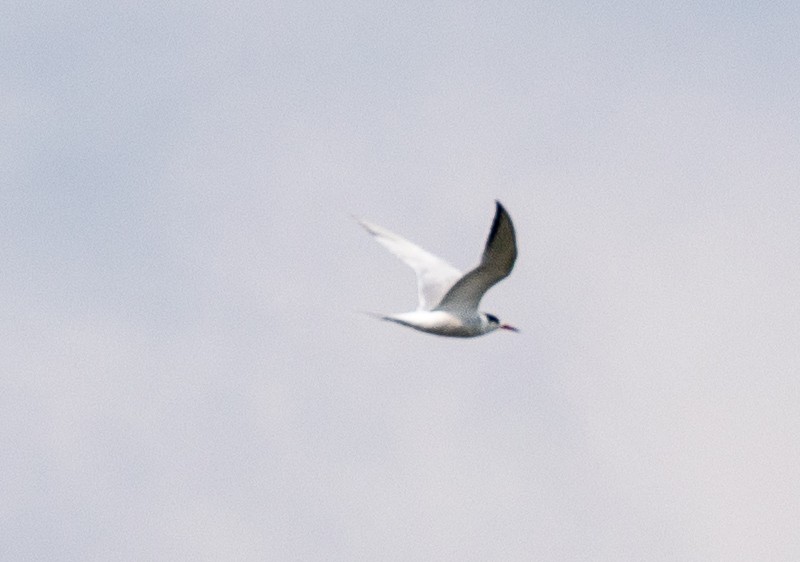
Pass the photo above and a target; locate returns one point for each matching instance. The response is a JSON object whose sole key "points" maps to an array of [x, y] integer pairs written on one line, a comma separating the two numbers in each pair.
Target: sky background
{"points": [[185, 375]]}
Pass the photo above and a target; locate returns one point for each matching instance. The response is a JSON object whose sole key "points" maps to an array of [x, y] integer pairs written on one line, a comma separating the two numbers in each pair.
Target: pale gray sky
{"points": [[184, 375]]}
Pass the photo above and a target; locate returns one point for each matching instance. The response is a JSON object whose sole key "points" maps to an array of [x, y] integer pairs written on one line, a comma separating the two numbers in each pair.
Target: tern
{"points": [[449, 299]]}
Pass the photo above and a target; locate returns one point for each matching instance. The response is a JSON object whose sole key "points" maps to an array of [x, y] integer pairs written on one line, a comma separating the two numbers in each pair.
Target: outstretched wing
{"points": [[434, 275], [496, 264]]}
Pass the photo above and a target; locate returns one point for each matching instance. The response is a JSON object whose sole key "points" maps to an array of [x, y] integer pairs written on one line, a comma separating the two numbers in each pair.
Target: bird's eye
{"points": [[492, 318]]}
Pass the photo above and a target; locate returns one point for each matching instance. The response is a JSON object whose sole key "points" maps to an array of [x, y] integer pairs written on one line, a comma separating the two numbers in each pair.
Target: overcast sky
{"points": [[185, 375]]}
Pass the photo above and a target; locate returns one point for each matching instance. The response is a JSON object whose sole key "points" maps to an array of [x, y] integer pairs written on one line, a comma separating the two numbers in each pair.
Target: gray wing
{"points": [[434, 275], [496, 264]]}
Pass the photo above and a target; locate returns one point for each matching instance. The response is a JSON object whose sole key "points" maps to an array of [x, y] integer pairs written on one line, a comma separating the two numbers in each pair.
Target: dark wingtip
{"points": [[499, 211]]}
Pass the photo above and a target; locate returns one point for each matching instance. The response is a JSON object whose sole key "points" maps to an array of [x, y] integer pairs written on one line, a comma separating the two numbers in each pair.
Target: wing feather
{"points": [[496, 264], [434, 275]]}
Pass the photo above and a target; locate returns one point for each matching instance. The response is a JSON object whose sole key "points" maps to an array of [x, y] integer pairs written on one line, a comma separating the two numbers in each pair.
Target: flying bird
{"points": [[448, 299]]}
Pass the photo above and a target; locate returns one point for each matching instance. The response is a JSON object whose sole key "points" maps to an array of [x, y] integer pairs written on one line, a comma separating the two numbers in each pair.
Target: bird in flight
{"points": [[448, 299]]}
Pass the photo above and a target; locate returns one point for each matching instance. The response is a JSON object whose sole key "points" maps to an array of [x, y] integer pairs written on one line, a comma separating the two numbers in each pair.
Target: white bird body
{"points": [[443, 323], [448, 299]]}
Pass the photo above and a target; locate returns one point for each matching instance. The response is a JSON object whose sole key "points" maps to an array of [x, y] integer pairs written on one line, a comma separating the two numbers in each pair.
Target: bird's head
{"points": [[493, 323]]}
